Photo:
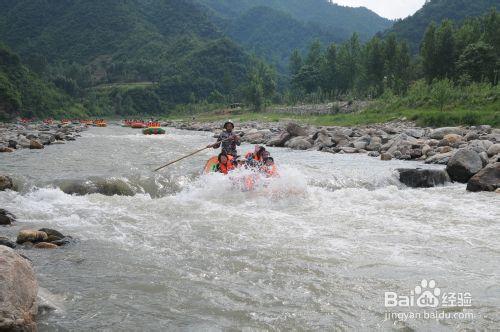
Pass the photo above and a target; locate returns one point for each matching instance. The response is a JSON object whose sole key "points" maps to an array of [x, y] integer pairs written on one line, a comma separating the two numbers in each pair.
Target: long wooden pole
{"points": [[189, 155], [182, 158]]}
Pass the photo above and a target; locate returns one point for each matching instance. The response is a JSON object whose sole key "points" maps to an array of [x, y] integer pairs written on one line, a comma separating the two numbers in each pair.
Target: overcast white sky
{"points": [[387, 8]]}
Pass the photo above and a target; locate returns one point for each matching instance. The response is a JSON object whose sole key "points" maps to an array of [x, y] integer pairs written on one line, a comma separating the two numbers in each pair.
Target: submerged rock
{"points": [[488, 179], [463, 165], [6, 218], [6, 242], [105, 187], [423, 178], [18, 292], [5, 183], [45, 245]]}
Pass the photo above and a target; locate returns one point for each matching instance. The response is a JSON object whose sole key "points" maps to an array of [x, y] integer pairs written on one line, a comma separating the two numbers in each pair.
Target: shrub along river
{"points": [[316, 248]]}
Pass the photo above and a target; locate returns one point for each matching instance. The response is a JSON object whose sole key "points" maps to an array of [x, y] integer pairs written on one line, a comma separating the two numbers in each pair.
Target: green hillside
{"points": [[412, 29], [273, 28], [91, 42], [23, 93]]}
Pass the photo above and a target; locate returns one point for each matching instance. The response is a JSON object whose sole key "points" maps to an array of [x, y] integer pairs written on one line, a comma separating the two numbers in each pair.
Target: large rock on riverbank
{"points": [[463, 165], [36, 135], [488, 179], [18, 292]]}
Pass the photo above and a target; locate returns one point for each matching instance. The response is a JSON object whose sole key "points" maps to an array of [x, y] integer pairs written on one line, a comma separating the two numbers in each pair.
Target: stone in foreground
{"points": [[423, 178], [18, 292], [488, 179]]}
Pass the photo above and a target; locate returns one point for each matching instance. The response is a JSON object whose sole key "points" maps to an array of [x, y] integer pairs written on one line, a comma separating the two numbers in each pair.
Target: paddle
{"points": [[191, 154]]}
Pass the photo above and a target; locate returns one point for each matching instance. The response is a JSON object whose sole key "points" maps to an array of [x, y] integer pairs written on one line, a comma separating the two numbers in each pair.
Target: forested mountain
{"points": [[273, 28], [168, 41], [412, 29], [21, 89], [272, 34]]}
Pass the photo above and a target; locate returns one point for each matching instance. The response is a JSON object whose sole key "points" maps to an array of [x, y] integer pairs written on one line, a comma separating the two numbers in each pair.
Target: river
{"points": [[315, 249]]}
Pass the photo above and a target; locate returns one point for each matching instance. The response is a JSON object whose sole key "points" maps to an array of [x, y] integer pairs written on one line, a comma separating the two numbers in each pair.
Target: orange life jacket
{"points": [[251, 155], [229, 166], [270, 171]]}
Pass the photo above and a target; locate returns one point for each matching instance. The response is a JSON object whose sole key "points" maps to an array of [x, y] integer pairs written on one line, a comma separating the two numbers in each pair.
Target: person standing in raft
{"points": [[228, 140]]}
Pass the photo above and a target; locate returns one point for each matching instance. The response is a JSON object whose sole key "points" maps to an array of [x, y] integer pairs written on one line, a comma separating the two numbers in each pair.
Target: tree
{"points": [[330, 69], [374, 67], [428, 53], [295, 63], [478, 61], [445, 51], [254, 93], [349, 61]]}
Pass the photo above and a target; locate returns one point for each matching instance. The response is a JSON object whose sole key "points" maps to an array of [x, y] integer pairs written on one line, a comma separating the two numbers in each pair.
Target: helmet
{"points": [[228, 122]]}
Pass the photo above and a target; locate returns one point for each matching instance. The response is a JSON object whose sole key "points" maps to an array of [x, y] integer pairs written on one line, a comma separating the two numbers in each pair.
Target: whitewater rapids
{"points": [[315, 249]]}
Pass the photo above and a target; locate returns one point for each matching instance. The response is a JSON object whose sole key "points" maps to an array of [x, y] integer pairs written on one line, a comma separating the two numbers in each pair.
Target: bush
{"points": [[442, 93]]}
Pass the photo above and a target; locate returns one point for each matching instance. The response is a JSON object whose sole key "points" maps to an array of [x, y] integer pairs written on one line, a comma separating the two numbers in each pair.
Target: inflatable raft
{"points": [[153, 131], [210, 165]]}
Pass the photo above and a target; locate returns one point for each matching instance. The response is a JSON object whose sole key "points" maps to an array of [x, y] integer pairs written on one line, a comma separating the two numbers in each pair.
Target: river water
{"points": [[315, 249]]}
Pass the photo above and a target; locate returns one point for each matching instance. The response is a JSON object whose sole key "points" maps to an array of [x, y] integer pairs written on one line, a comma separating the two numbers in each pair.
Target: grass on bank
{"points": [[425, 116], [439, 104]]}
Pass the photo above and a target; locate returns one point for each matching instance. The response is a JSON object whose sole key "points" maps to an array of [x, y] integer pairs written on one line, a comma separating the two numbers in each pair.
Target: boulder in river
{"points": [[6, 242], [5, 183], [385, 156], [30, 235], [36, 145], [45, 245], [423, 178], [52, 233], [487, 179], [18, 292], [299, 143], [6, 149], [463, 165], [6, 218]]}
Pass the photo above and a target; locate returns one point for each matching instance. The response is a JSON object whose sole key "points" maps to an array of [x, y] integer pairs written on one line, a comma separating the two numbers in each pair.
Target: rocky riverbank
{"points": [[467, 151], [15, 136]]}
